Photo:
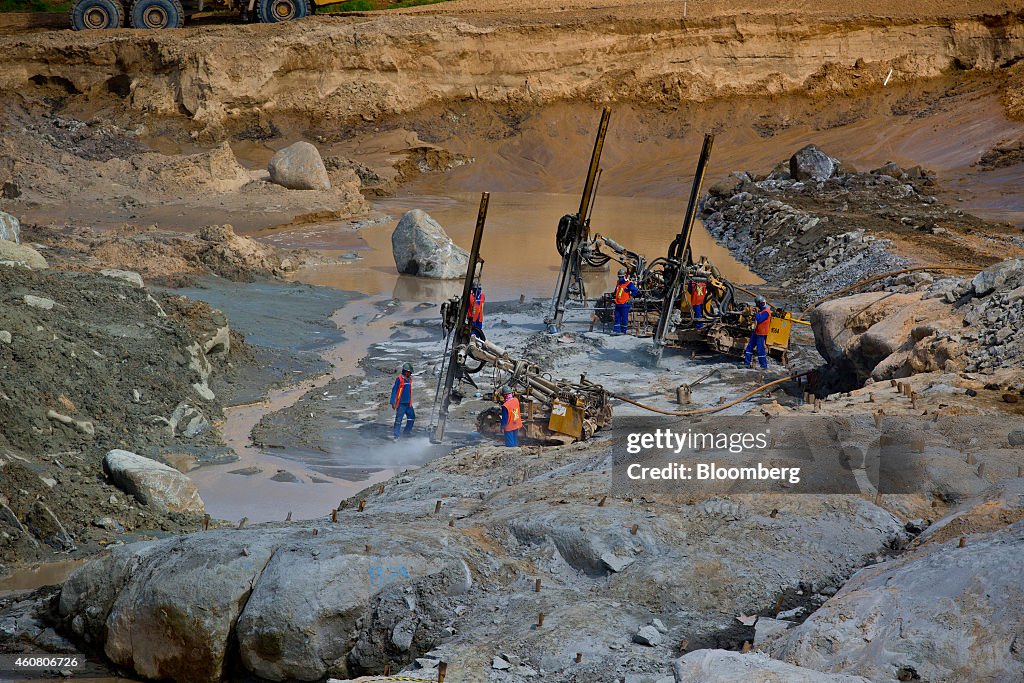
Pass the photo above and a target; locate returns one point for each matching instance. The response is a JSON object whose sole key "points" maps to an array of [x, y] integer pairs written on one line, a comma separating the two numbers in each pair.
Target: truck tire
{"points": [[96, 14], [157, 14], [275, 11]]}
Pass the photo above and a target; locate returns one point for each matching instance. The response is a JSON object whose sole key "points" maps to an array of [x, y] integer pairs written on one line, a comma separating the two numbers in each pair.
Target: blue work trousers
{"points": [[756, 342], [621, 318], [404, 410]]}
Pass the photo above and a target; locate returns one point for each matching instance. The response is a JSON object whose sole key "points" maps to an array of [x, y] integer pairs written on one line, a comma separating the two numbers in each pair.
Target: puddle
{"points": [[30, 578]]}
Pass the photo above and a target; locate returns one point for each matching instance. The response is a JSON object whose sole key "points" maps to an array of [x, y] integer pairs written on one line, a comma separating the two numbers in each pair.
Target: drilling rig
{"points": [[662, 309], [552, 409]]}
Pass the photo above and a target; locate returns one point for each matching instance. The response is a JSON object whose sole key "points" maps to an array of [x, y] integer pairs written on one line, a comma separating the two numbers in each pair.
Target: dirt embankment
{"points": [[328, 71], [93, 360]]}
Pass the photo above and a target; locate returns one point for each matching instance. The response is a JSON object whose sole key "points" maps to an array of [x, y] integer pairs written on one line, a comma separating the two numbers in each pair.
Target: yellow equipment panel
{"points": [[779, 330], [566, 419]]}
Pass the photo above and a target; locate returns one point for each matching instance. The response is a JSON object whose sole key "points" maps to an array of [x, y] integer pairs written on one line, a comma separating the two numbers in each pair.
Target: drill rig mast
{"points": [[550, 408], [572, 239], [679, 254]]}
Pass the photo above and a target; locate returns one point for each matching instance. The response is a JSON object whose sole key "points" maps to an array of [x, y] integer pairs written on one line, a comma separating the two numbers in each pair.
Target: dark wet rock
{"points": [[810, 163]]}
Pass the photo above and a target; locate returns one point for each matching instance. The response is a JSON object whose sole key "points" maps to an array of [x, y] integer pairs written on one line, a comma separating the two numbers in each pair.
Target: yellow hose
{"points": [[710, 409]]}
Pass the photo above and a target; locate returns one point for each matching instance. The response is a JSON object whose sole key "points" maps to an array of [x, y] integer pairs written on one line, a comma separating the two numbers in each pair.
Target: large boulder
{"points": [[884, 335], [939, 613], [810, 163], [10, 228], [286, 603], [725, 666], [422, 247], [12, 253], [299, 167], [152, 483]]}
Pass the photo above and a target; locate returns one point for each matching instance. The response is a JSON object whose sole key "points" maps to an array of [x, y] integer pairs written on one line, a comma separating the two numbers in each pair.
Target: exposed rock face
{"points": [[12, 253], [421, 247], [299, 167], [723, 666], [324, 604], [880, 335], [152, 483], [810, 163], [943, 612], [10, 228], [293, 600]]}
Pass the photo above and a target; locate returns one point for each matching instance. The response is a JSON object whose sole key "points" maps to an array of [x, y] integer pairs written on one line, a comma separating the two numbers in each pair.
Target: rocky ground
{"points": [[96, 359]]}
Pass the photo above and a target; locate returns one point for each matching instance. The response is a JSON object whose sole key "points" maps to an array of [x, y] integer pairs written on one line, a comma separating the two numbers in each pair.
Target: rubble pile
{"points": [[994, 316], [815, 225]]}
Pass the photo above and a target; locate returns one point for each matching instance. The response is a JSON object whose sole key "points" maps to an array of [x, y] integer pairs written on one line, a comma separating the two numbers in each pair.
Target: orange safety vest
{"points": [[476, 308], [515, 420], [402, 381], [763, 328], [622, 293], [699, 293]]}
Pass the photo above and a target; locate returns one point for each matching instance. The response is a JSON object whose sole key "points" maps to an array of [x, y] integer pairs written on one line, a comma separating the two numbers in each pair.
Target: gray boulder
{"points": [[10, 228], [810, 163], [998, 276], [299, 167], [152, 483], [647, 635], [12, 253], [1016, 437], [422, 247], [940, 611], [725, 666]]}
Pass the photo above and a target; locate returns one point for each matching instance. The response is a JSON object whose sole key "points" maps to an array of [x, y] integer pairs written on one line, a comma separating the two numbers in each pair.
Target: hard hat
{"points": [[407, 367], [622, 272], [506, 389], [760, 300]]}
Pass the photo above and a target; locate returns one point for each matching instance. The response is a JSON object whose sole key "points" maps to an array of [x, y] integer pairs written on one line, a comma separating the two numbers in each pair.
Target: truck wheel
{"points": [[157, 14], [274, 11], [96, 14]]}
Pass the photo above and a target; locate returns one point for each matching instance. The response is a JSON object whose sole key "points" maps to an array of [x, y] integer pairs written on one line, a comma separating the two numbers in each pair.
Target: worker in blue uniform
{"points": [[401, 401]]}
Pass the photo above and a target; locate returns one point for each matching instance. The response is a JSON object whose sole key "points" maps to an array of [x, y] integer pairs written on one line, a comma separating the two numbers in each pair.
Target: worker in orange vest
{"points": [[759, 337], [401, 401], [475, 315], [698, 293], [624, 291], [511, 420]]}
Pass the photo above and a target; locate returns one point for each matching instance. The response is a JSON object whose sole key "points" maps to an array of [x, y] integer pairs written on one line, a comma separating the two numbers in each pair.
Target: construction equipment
{"points": [[551, 409], [457, 330], [662, 309], [155, 14], [573, 240]]}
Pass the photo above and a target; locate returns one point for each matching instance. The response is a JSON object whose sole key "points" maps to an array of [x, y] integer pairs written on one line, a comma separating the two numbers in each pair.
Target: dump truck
{"points": [[100, 14]]}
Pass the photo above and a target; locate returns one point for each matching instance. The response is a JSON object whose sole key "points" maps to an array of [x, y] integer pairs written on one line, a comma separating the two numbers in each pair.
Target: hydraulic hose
{"points": [[709, 409]]}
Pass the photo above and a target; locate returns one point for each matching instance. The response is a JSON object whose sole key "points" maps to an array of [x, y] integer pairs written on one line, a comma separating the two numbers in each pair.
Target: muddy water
{"points": [[31, 578], [518, 246], [520, 259]]}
